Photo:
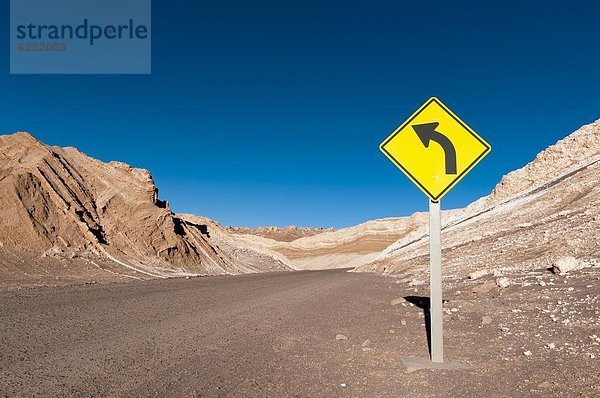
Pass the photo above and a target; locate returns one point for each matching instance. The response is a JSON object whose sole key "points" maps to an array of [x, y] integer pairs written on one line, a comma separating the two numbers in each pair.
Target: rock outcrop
{"points": [[59, 202]]}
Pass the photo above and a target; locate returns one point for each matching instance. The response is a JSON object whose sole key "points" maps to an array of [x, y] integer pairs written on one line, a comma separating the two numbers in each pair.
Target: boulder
{"points": [[503, 282], [566, 264]]}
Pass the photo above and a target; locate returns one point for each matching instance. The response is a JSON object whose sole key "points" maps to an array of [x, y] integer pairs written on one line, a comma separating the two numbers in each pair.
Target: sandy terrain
{"points": [[260, 335]]}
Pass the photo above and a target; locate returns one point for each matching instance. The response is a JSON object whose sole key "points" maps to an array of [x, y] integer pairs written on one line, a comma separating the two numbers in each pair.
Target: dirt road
{"points": [[268, 335]]}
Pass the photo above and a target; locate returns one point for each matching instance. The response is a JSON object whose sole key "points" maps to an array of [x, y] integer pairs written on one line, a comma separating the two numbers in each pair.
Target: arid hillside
{"points": [[281, 234], [343, 248], [543, 211], [546, 210], [66, 217]]}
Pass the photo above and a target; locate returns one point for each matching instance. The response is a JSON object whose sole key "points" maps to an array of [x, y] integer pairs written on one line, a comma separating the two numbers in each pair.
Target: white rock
{"points": [[503, 282], [527, 353], [551, 346], [563, 265], [478, 274], [341, 337]]}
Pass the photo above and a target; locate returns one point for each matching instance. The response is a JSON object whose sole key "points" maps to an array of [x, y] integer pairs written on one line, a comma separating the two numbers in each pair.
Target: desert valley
{"points": [[521, 280]]}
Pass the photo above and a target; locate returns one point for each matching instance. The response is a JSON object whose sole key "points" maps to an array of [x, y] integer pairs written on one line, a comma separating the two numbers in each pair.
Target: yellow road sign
{"points": [[435, 168]]}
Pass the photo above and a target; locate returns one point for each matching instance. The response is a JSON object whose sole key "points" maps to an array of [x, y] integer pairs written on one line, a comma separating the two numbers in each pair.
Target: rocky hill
{"points": [[556, 195], [343, 248], [546, 210], [65, 216], [280, 234]]}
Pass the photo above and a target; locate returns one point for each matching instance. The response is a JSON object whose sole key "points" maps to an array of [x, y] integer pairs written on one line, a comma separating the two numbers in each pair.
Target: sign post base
{"points": [[413, 364]]}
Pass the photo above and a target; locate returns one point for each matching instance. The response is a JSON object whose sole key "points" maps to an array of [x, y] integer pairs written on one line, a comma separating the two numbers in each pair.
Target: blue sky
{"points": [[271, 113]]}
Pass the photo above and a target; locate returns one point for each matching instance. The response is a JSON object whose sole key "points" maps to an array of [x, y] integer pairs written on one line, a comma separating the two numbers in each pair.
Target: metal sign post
{"points": [[435, 282], [435, 169], [436, 330]]}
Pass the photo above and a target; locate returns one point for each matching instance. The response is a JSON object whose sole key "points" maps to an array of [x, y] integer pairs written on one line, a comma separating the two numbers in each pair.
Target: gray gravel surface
{"points": [[264, 335]]}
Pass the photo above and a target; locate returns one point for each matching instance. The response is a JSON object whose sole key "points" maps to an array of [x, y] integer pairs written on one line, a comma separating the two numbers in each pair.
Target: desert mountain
{"points": [[63, 213], [344, 248], [281, 234], [65, 216], [548, 209]]}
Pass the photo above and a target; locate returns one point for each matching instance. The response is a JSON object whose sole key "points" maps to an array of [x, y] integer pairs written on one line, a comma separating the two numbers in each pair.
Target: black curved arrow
{"points": [[427, 133]]}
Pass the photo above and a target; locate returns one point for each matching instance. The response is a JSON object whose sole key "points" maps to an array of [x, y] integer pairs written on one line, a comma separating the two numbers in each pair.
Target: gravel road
{"points": [[264, 335]]}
